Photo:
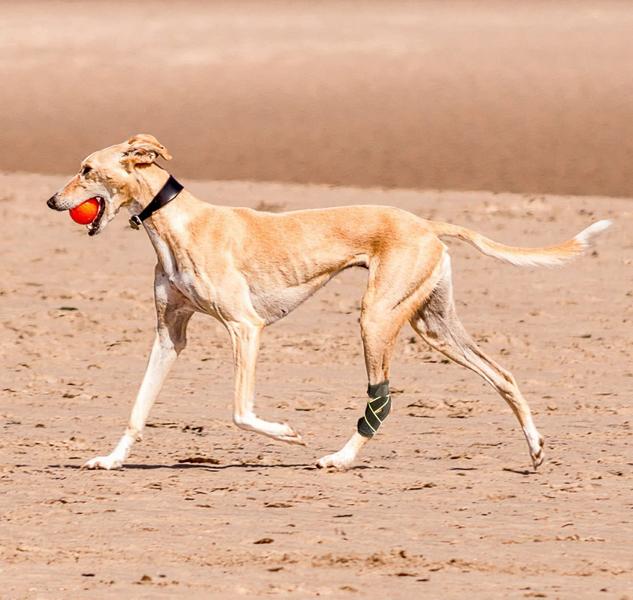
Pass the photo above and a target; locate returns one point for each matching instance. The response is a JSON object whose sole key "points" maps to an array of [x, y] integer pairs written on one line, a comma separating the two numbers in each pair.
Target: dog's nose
{"points": [[51, 202]]}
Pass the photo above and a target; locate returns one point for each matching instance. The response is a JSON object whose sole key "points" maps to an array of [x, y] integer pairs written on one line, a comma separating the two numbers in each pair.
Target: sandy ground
{"points": [[442, 504], [493, 95]]}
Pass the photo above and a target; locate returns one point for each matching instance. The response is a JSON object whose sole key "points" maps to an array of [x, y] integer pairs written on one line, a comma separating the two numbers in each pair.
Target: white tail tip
{"points": [[584, 237]]}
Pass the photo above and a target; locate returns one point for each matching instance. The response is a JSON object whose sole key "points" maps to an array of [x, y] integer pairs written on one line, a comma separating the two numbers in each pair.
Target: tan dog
{"points": [[248, 269]]}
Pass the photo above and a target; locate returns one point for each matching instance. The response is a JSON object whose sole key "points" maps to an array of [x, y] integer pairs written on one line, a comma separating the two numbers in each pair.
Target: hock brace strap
{"points": [[377, 409]]}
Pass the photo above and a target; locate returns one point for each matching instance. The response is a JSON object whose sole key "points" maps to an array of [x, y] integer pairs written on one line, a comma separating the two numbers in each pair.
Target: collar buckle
{"points": [[135, 222]]}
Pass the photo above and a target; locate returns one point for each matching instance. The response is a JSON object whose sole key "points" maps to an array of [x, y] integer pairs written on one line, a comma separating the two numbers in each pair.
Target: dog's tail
{"points": [[547, 256]]}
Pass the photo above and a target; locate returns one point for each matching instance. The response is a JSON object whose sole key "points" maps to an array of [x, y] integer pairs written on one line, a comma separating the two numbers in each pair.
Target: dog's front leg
{"points": [[245, 339], [173, 316]]}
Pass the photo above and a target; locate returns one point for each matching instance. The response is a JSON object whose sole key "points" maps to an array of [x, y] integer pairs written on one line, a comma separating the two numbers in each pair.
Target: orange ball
{"points": [[86, 212]]}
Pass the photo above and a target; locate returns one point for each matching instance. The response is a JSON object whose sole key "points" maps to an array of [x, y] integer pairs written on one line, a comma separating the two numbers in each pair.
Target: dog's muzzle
{"points": [[52, 202]]}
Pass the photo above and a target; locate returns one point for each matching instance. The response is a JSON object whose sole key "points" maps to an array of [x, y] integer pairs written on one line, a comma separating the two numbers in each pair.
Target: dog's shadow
{"points": [[520, 471], [202, 466], [215, 468]]}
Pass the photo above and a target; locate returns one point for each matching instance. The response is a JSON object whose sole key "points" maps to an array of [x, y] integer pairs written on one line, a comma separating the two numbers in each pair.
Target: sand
{"points": [[492, 95], [442, 504]]}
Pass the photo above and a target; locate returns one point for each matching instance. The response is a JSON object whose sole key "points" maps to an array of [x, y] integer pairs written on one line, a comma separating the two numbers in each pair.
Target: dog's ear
{"points": [[144, 149]]}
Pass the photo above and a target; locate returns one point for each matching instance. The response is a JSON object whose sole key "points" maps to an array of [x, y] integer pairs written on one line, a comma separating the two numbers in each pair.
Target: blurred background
{"points": [[504, 96]]}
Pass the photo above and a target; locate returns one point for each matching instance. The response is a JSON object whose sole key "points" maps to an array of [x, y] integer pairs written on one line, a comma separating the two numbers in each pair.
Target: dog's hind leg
{"points": [[397, 285], [379, 327], [245, 338], [173, 315], [437, 323]]}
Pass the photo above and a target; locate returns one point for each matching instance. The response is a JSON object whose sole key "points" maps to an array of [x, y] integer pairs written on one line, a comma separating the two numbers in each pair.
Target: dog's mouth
{"points": [[93, 227]]}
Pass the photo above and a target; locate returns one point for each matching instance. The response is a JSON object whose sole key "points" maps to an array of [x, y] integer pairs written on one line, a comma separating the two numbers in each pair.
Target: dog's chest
{"points": [[181, 274], [184, 282]]}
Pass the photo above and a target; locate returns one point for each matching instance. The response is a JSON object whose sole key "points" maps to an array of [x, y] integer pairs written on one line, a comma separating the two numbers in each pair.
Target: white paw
{"points": [[103, 462], [339, 460], [538, 454], [289, 435], [278, 431], [536, 444]]}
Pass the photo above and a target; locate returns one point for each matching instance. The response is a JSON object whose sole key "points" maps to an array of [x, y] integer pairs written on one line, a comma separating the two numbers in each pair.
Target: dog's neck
{"points": [[149, 181], [164, 227]]}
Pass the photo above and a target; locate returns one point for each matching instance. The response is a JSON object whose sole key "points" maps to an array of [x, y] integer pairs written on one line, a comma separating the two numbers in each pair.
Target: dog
{"points": [[249, 269]]}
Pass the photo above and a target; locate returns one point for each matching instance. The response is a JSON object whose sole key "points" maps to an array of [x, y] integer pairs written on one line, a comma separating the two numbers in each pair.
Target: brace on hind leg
{"points": [[377, 409]]}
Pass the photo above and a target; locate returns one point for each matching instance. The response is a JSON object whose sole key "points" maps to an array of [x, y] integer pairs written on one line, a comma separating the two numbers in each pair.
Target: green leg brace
{"points": [[377, 409]]}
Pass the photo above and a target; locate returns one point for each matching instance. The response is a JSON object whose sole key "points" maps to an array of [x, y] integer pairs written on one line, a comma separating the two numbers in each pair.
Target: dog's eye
{"points": [[86, 170]]}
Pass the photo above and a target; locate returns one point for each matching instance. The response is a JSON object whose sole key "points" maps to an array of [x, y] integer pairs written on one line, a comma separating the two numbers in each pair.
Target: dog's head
{"points": [[112, 176]]}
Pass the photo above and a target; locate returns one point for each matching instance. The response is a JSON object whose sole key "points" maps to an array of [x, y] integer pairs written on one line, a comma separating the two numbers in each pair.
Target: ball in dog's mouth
{"points": [[85, 212]]}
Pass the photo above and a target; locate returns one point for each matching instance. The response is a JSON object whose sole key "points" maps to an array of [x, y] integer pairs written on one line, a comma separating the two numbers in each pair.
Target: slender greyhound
{"points": [[249, 269]]}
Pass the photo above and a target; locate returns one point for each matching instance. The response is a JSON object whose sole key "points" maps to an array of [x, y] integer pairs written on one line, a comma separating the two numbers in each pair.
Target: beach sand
{"points": [[443, 503]]}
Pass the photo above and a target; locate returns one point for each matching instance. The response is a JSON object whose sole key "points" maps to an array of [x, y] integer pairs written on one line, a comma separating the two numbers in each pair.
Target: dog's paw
{"points": [[281, 432], [339, 460], [289, 436], [536, 445], [538, 454], [103, 462]]}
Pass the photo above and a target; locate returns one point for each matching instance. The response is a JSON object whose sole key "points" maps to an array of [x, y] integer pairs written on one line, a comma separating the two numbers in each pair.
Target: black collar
{"points": [[165, 195]]}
